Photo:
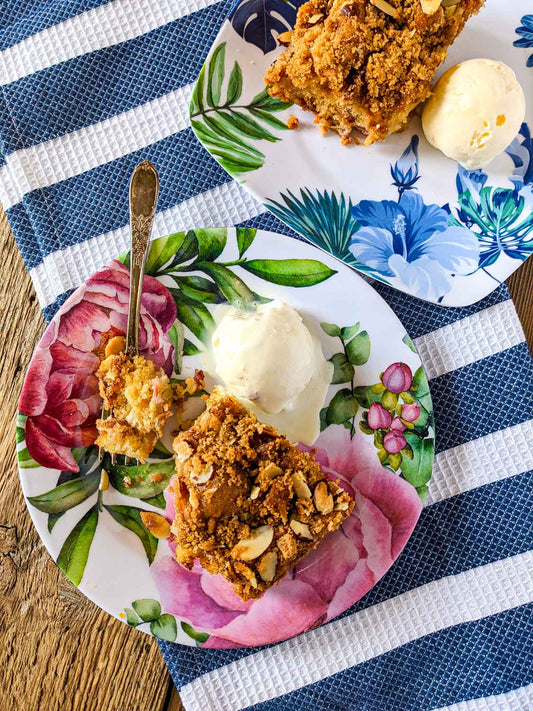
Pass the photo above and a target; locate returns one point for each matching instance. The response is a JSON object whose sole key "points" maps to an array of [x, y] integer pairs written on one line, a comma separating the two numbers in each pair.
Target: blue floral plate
{"points": [[398, 211]]}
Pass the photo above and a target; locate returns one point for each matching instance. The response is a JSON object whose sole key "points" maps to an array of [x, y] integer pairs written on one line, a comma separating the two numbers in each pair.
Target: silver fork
{"points": [[144, 190]]}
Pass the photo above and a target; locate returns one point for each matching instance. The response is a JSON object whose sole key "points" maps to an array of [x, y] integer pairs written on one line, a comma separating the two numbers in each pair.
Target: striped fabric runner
{"points": [[90, 88]]}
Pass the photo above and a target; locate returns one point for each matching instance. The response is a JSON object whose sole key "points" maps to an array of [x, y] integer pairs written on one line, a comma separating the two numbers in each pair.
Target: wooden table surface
{"points": [[57, 649]]}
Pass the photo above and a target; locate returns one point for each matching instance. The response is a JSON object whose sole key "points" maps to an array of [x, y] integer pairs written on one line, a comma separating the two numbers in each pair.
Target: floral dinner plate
{"points": [[377, 436], [399, 211]]}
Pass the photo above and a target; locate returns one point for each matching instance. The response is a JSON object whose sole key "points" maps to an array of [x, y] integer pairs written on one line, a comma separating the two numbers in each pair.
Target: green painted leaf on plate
{"points": [[131, 617], [158, 501], [198, 288], [20, 433], [199, 637], [366, 396], [67, 495], [215, 75], [234, 85], [74, 553], [211, 242], [343, 371], [231, 286], [162, 250], [331, 329], [189, 349], [130, 518], [245, 237], [267, 118], [176, 337], [358, 349], [197, 99], [263, 100], [165, 627], [25, 460], [348, 331], [409, 343], [52, 520], [342, 407], [137, 481], [147, 609], [289, 272], [417, 470]]}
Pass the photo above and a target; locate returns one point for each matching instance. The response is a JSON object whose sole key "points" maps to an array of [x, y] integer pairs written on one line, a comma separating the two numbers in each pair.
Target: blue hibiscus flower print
{"points": [[413, 242], [526, 32]]}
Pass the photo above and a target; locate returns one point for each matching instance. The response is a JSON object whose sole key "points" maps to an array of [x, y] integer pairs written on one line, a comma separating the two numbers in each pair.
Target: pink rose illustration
{"points": [[397, 378], [60, 394], [337, 574]]}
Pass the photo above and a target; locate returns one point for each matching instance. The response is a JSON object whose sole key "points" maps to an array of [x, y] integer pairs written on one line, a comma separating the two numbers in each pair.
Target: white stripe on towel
{"points": [[496, 456], [226, 204], [89, 31], [516, 700], [77, 152], [470, 339], [364, 635]]}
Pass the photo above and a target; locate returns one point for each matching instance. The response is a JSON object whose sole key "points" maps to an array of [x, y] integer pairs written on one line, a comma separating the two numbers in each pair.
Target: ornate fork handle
{"points": [[144, 189]]}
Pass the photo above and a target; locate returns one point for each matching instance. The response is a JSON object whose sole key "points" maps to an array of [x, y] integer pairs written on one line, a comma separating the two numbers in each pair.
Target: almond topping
{"points": [[301, 529], [254, 492], [323, 499], [429, 7], [156, 524], [267, 566], [245, 571], [182, 449], [115, 345], [341, 506], [203, 477], [385, 7], [272, 471], [300, 487], [252, 547], [156, 477], [284, 38], [315, 18]]}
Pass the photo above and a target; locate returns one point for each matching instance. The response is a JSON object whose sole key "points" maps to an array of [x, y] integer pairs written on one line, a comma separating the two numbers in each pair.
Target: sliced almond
{"points": [[284, 38], [254, 492], [386, 8], [156, 477], [323, 499], [182, 450], [267, 566], [272, 471], [202, 477], [429, 7], [115, 345], [341, 506], [156, 524], [245, 571], [252, 547], [315, 18], [300, 487], [301, 529]]}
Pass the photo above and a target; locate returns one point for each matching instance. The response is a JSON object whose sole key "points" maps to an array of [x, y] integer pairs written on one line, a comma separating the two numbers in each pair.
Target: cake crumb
{"points": [[292, 122]]}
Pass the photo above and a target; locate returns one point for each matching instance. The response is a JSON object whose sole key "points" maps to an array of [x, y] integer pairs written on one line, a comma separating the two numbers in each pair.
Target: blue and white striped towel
{"points": [[91, 87]]}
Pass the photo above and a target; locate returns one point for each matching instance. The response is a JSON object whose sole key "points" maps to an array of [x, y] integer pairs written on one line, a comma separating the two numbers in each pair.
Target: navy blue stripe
{"points": [[475, 528], [96, 202], [483, 397], [101, 84], [473, 660], [50, 310], [23, 18]]}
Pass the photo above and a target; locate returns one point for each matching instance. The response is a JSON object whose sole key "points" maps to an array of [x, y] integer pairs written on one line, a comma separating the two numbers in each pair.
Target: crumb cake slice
{"points": [[249, 504], [364, 65]]}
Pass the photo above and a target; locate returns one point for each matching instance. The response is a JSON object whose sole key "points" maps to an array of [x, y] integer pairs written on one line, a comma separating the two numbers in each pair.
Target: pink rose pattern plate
{"points": [[377, 437]]}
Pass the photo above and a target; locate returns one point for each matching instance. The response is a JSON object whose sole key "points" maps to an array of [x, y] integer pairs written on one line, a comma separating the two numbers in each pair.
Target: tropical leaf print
{"points": [[227, 127], [163, 625], [526, 36], [260, 21]]}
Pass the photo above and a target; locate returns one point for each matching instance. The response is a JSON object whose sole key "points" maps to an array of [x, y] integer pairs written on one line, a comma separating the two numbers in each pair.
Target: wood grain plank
{"points": [[59, 651]]}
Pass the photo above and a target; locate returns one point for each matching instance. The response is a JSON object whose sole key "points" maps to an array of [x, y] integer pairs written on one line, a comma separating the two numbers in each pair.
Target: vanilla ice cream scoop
{"points": [[265, 356], [476, 110]]}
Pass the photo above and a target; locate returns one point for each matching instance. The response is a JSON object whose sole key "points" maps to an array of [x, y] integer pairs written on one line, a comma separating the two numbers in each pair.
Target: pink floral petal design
{"points": [[59, 388], [82, 326], [72, 413], [326, 568], [45, 452], [358, 582], [72, 360], [221, 591], [285, 610], [33, 398], [182, 595]]}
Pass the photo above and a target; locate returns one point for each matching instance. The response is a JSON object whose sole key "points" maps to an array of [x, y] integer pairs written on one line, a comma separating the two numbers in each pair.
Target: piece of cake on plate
{"points": [[364, 65], [249, 503]]}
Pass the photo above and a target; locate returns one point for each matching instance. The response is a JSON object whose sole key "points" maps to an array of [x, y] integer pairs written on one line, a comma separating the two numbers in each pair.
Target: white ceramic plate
{"points": [[399, 211]]}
